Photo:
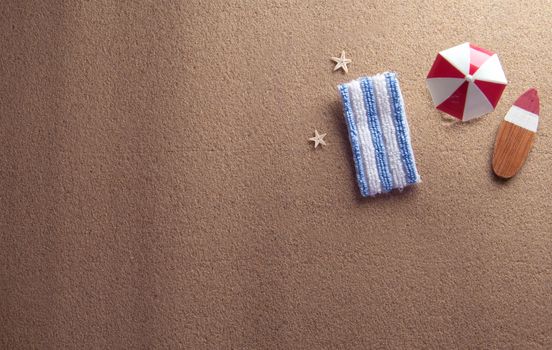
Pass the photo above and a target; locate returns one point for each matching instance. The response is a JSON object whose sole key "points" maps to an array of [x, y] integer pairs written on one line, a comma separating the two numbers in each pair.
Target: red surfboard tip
{"points": [[529, 101]]}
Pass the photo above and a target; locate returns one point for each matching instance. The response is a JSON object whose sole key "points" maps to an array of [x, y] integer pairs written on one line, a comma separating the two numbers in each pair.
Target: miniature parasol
{"points": [[466, 81]]}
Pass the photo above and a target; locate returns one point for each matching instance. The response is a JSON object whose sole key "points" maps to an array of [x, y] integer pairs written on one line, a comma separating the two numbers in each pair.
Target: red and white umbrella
{"points": [[466, 81]]}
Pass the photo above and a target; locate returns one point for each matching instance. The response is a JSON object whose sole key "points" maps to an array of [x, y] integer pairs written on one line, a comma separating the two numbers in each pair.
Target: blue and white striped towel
{"points": [[379, 134]]}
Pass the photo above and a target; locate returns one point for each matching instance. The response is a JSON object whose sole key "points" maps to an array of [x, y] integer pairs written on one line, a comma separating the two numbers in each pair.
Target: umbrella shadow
{"points": [[451, 122]]}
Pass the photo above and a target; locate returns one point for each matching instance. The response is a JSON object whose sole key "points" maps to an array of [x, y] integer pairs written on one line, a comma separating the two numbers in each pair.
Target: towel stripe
{"points": [[402, 131], [379, 134], [377, 138], [389, 135], [366, 144], [353, 137]]}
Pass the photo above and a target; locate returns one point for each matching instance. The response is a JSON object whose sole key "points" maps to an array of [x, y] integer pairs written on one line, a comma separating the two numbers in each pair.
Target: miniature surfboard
{"points": [[515, 136]]}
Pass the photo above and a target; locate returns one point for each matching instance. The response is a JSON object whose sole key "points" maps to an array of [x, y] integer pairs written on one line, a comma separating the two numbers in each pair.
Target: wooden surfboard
{"points": [[515, 136]]}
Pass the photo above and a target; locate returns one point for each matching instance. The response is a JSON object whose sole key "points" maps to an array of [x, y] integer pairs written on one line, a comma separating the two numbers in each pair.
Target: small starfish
{"points": [[318, 139], [341, 62]]}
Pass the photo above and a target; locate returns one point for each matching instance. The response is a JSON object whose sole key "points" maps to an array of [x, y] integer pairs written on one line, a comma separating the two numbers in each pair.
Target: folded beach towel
{"points": [[379, 134]]}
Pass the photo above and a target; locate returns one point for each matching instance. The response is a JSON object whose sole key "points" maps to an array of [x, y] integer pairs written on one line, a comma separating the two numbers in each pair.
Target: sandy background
{"points": [[157, 189]]}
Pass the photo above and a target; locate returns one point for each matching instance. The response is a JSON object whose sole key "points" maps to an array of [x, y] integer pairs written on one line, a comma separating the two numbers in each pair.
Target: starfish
{"points": [[318, 139], [341, 62]]}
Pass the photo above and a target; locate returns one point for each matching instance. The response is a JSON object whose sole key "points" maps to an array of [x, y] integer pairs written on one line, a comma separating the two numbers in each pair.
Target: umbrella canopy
{"points": [[466, 81]]}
